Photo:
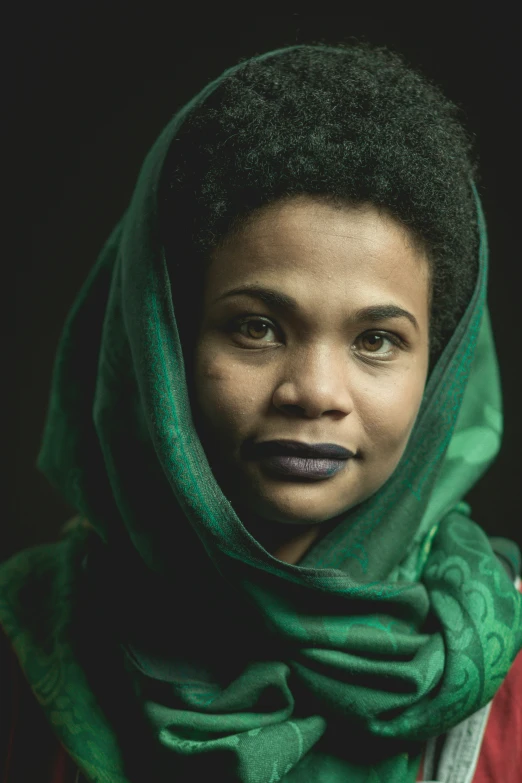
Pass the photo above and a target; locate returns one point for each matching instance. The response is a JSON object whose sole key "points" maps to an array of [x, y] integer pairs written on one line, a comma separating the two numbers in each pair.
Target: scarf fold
{"points": [[169, 643]]}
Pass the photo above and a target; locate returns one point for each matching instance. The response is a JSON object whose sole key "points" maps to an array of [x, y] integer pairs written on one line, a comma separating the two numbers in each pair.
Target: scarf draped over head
{"points": [[167, 639]]}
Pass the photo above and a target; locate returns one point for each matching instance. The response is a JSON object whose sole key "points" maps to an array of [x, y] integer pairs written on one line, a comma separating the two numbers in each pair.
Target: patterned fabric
{"points": [[169, 644], [487, 746], [496, 747], [29, 749]]}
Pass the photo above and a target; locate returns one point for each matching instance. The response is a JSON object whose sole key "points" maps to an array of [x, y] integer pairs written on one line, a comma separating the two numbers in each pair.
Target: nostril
{"points": [[296, 410]]}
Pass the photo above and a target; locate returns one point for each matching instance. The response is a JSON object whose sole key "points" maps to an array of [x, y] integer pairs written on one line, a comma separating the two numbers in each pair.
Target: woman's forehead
{"points": [[314, 251]]}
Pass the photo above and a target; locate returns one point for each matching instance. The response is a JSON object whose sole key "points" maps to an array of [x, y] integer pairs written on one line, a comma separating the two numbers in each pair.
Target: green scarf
{"points": [[169, 644]]}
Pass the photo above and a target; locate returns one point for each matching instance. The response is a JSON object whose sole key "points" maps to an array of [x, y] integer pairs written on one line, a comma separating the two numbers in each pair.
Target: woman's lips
{"points": [[311, 469], [297, 460]]}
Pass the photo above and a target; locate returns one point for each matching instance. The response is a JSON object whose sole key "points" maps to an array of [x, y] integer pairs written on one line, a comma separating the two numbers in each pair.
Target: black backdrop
{"points": [[93, 89]]}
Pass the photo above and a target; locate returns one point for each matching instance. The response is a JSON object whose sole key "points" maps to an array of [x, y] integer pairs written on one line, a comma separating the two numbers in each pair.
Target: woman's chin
{"points": [[292, 511], [289, 502]]}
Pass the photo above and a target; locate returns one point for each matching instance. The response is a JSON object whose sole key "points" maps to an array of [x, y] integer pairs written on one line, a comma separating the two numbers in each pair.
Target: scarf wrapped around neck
{"points": [[165, 643]]}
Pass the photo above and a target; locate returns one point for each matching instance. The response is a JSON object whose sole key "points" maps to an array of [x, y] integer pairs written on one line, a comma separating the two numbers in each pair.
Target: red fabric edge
{"points": [[60, 766], [500, 756]]}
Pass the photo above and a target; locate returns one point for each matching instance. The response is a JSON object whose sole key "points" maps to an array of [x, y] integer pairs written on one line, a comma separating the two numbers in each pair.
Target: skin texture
{"points": [[318, 374]]}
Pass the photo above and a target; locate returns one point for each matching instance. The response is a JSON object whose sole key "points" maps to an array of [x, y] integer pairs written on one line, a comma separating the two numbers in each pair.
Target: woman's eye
{"points": [[256, 329], [378, 344], [375, 342]]}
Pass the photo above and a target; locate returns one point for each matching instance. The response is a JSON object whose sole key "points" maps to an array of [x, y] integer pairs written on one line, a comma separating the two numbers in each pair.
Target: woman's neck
{"points": [[287, 542], [295, 548]]}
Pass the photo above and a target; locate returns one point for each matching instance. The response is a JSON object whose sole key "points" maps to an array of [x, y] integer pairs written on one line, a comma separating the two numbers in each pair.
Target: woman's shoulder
{"points": [[37, 573], [29, 749], [27, 580], [487, 746], [501, 752]]}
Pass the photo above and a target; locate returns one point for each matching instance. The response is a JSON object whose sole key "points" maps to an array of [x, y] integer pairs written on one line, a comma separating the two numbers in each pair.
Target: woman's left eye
{"points": [[373, 342]]}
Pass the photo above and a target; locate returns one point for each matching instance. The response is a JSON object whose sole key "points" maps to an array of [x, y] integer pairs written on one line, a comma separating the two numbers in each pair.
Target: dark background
{"points": [[92, 91]]}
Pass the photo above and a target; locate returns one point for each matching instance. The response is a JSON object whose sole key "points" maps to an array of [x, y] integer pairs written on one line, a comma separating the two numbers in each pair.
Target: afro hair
{"points": [[351, 123]]}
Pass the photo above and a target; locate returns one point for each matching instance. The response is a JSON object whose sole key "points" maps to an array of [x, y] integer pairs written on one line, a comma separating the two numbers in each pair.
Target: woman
{"points": [[270, 397]]}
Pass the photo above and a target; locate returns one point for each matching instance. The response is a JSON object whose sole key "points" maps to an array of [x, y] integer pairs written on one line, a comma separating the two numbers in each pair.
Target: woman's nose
{"points": [[315, 382]]}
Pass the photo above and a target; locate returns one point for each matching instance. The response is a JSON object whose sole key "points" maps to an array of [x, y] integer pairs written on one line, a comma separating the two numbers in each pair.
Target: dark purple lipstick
{"points": [[300, 461]]}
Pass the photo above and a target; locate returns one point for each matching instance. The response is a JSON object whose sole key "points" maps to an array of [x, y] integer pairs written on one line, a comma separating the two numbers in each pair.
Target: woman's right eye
{"points": [[255, 329]]}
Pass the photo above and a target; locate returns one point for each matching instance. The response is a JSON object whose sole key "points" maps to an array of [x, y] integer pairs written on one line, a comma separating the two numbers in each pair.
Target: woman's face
{"points": [[314, 330]]}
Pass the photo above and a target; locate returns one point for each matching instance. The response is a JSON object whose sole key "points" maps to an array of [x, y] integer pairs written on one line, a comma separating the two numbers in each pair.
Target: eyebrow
{"points": [[277, 299]]}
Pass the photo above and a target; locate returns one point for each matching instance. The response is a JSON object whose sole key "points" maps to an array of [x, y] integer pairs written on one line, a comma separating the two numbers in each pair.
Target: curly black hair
{"points": [[351, 123]]}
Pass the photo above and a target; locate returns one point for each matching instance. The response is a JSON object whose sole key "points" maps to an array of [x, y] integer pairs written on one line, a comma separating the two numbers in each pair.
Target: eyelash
{"points": [[235, 324]]}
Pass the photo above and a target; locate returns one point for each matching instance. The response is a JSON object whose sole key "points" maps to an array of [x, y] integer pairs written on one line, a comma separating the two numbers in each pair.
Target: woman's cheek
{"points": [[388, 414], [221, 392]]}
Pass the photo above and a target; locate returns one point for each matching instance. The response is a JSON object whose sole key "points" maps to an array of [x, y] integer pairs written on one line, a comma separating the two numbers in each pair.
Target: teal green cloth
{"points": [[169, 644]]}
